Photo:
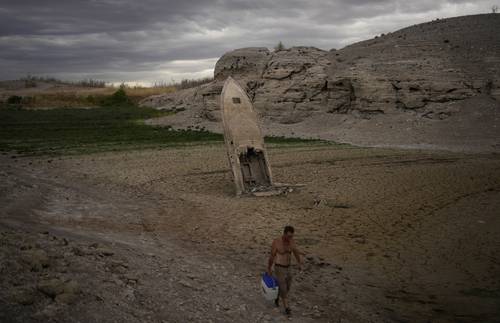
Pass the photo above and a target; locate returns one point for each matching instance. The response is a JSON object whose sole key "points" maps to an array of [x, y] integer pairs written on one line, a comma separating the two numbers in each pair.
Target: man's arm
{"points": [[271, 258], [297, 254]]}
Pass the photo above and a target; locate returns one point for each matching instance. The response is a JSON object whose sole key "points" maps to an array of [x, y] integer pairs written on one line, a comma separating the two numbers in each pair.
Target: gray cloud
{"points": [[157, 40]]}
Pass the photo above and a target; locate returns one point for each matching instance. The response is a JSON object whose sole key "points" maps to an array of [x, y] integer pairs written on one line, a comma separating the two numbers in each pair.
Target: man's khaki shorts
{"points": [[284, 277]]}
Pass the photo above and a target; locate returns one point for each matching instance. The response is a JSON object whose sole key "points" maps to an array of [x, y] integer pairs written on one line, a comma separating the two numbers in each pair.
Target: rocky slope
{"points": [[433, 85]]}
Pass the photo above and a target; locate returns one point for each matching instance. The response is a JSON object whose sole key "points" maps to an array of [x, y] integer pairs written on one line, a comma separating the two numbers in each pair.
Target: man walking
{"points": [[281, 257]]}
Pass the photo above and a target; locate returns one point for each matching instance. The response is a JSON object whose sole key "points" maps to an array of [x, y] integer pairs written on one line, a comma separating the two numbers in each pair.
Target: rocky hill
{"points": [[434, 85]]}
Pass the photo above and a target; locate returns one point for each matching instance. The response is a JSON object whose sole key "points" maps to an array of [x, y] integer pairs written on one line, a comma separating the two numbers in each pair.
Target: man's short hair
{"points": [[288, 228]]}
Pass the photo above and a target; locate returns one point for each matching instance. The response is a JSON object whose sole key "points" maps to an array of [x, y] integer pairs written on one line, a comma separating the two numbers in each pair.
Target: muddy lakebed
{"points": [[157, 235]]}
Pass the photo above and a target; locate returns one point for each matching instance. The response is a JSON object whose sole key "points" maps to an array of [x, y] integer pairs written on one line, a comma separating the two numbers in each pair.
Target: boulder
{"points": [[248, 62], [23, 296], [51, 287], [55, 287], [35, 259]]}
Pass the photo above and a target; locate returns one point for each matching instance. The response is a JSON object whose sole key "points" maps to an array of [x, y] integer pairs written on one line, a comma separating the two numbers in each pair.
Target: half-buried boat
{"points": [[244, 141]]}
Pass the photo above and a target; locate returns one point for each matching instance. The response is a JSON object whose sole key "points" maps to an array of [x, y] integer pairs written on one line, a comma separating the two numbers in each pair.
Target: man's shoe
{"points": [[288, 311], [277, 302]]}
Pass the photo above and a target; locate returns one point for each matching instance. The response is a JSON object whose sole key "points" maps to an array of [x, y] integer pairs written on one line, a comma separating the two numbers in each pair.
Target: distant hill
{"points": [[434, 85]]}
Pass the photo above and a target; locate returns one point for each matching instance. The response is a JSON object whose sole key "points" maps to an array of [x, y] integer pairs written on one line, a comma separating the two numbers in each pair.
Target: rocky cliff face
{"points": [[430, 85]]}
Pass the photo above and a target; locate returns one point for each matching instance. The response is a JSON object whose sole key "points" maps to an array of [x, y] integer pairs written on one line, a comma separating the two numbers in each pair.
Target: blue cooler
{"points": [[269, 287]]}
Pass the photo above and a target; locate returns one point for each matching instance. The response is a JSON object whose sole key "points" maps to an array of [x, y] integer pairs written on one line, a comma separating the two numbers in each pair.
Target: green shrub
{"points": [[279, 47], [15, 100], [118, 99]]}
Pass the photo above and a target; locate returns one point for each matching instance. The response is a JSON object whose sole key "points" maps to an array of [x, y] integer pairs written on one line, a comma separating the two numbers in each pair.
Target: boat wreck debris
{"points": [[244, 142]]}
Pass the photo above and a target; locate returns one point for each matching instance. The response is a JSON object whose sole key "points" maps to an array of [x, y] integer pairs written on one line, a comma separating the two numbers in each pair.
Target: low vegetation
{"points": [[279, 140], [56, 100], [117, 124], [78, 131], [82, 94], [279, 47], [82, 131], [31, 81], [189, 83], [79, 98]]}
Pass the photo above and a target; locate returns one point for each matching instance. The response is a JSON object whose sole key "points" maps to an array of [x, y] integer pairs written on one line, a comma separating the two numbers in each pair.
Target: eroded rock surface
{"points": [[402, 82]]}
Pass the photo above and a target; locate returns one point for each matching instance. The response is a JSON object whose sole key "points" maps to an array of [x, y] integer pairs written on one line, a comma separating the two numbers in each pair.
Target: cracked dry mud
{"points": [[157, 235]]}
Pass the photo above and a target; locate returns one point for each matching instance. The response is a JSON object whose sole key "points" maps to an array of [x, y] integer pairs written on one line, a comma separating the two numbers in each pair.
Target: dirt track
{"points": [[390, 235]]}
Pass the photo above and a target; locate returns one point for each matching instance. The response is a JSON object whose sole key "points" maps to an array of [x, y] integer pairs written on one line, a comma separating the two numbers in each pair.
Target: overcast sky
{"points": [[145, 41]]}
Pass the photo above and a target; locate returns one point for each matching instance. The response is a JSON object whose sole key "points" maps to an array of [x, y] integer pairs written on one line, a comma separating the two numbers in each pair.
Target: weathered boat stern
{"points": [[244, 141]]}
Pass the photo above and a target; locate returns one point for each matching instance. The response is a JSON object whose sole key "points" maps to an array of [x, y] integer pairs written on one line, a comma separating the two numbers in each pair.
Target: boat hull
{"points": [[244, 141]]}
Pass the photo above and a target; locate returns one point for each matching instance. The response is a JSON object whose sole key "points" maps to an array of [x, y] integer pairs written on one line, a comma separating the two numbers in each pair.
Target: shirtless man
{"points": [[281, 257]]}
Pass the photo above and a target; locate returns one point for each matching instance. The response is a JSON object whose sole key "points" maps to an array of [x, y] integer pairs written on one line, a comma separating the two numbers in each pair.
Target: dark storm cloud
{"points": [[160, 40]]}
